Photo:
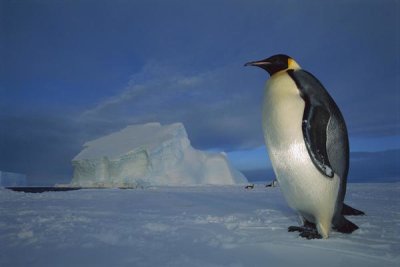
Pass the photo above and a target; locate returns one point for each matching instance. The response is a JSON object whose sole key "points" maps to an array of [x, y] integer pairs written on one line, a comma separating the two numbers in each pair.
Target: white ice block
{"points": [[150, 154]]}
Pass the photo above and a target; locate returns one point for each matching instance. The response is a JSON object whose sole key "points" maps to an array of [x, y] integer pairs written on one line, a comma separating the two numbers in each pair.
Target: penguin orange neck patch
{"points": [[292, 64]]}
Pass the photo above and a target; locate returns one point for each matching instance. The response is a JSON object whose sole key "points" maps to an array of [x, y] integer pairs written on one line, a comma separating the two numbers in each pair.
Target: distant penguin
{"points": [[274, 183], [307, 142], [250, 186]]}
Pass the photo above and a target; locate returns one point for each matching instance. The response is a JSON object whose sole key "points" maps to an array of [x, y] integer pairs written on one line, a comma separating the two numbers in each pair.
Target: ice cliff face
{"points": [[150, 154]]}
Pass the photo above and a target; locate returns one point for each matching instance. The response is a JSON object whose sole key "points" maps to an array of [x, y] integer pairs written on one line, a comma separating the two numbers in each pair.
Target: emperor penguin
{"points": [[307, 142]]}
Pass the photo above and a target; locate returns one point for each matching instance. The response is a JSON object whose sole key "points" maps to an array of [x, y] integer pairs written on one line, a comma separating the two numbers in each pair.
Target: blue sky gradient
{"points": [[72, 71]]}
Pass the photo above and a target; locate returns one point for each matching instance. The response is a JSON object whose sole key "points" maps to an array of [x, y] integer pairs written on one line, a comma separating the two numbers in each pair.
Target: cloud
{"points": [[215, 105], [221, 106]]}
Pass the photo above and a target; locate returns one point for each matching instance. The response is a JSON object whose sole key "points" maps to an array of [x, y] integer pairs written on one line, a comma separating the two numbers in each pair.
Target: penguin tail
{"points": [[347, 210], [345, 226]]}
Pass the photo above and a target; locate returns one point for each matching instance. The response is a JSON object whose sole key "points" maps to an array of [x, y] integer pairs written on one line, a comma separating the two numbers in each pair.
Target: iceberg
{"points": [[150, 154], [11, 179]]}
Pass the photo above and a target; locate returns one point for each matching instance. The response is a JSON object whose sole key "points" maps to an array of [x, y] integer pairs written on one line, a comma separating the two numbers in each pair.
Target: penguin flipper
{"points": [[347, 210], [316, 119], [315, 124]]}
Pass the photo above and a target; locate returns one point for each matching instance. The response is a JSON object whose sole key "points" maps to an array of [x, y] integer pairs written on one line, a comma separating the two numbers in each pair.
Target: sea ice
{"points": [[150, 154]]}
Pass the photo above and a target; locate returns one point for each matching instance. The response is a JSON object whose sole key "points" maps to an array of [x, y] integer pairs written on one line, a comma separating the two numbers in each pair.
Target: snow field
{"points": [[189, 226]]}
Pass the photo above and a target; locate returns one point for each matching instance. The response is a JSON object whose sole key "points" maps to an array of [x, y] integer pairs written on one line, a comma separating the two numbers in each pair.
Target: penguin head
{"points": [[275, 63]]}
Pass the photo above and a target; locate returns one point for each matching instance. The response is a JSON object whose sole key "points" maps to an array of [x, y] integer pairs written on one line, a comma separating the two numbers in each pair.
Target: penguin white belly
{"points": [[305, 189]]}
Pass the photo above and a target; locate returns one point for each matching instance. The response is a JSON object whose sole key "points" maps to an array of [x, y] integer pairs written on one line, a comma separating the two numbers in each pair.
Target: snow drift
{"points": [[150, 154], [199, 226]]}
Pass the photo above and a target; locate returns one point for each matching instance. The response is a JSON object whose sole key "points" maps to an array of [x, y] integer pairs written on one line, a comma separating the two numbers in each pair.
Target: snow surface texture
{"points": [[150, 154], [190, 226], [12, 179]]}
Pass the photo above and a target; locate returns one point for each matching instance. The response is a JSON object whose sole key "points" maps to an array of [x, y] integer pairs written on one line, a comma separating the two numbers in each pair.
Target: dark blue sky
{"points": [[75, 70]]}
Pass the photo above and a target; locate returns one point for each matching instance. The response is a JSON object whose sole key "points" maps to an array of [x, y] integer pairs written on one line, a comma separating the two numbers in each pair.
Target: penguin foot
{"points": [[308, 226], [311, 234], [296, 229], [308, 231]]}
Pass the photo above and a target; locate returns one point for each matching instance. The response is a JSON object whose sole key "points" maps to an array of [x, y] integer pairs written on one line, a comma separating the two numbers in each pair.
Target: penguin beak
{"points": [[260, 63]]}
